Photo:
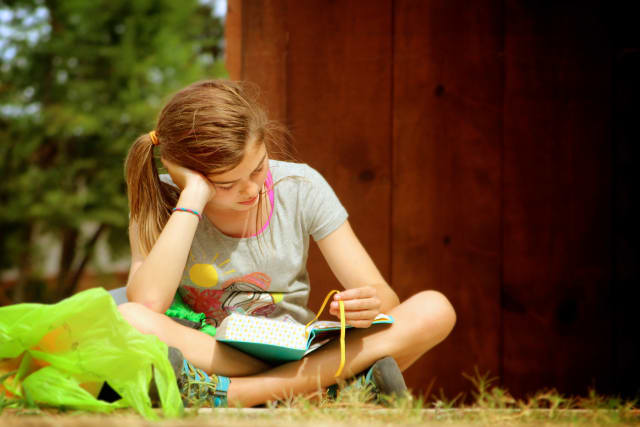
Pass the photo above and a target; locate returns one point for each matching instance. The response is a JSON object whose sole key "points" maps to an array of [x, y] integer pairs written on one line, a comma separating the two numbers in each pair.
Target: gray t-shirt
{"points": [[263, 275]]}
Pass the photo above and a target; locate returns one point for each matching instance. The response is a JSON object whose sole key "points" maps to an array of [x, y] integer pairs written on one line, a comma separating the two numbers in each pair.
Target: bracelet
{"points": [[187, 210]]}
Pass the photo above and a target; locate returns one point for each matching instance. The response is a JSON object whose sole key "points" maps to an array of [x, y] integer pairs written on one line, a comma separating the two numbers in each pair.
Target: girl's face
{"points": [[238, 188]]}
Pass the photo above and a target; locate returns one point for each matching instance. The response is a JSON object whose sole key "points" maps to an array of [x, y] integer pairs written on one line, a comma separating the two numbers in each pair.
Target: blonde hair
{"points": [[204, 127]]}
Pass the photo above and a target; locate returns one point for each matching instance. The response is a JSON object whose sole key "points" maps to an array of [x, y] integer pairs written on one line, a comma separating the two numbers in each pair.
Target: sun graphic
{"points": [[207, 275]]}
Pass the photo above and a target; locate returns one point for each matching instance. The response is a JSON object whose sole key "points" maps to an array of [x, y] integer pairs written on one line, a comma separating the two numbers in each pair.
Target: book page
{"points": [[332, 324], [316, 345]]}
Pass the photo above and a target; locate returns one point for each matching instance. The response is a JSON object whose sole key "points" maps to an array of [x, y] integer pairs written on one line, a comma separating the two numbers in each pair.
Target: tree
{"points": [[79, 81]]}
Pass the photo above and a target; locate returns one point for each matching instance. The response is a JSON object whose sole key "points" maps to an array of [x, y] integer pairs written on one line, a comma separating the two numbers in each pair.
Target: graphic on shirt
{"points": [[207, 275], [248, 294]]}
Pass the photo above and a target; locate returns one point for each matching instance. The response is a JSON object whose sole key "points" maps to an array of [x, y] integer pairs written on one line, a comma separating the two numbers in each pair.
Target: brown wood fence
{"points": [[482, 150]]}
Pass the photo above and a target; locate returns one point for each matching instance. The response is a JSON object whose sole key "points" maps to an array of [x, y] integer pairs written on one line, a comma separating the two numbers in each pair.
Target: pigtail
{"points": [[150, 200]]}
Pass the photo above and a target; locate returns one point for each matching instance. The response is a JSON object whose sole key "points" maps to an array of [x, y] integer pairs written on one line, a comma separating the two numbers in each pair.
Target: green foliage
{"points": [[80, 80]]}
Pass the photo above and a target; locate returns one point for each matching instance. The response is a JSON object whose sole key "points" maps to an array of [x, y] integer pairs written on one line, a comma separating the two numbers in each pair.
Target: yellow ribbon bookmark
{"points": [[342, 330]]}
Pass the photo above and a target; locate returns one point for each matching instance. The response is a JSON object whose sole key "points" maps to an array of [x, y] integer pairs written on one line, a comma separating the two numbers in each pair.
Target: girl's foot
{"points": [[384, 378], [196, 387]]}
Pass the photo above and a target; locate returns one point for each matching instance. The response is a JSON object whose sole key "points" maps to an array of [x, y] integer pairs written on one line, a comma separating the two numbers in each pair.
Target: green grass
{"points": [[488, 404]]}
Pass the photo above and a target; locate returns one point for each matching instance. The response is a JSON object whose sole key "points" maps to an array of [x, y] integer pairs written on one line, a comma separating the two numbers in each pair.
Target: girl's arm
{"points": [[367, 293], [154, 278]]}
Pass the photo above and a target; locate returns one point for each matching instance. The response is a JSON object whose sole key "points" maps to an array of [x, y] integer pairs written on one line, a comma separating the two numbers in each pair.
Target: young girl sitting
{"points": [[228, 229]]}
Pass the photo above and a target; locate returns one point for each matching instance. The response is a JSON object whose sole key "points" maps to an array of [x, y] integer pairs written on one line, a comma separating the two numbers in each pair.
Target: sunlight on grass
{"points": [[356, 403]]}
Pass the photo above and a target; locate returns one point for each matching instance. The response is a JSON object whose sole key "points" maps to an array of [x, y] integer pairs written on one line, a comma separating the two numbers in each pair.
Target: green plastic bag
{"points": [[61, 354], [181, 310]]}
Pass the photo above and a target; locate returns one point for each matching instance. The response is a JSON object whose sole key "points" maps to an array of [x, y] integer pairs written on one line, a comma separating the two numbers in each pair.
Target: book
{"points": [[278, 341]]}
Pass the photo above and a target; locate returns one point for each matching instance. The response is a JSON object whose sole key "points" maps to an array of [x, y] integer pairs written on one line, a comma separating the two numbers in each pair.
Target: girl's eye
{"points": [[257, 171], [224, 187]]}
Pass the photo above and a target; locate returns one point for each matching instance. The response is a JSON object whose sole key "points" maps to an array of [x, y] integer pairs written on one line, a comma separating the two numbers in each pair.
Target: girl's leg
{"points": [[421, 322], [197, 347]]}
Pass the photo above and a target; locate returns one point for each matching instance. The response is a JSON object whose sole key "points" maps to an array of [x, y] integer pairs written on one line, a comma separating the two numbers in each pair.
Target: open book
{"points": [[279, 341]]}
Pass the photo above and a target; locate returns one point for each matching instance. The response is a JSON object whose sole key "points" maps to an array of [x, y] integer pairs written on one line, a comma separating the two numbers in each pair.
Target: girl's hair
{"points": [[204, 127]]}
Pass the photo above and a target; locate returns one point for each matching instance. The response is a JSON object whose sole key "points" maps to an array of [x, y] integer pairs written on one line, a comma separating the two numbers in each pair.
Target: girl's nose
{"points": [[250, 188]]}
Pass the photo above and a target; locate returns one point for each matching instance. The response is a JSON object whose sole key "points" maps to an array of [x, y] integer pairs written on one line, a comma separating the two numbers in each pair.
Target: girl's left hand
{"points": [[361, 306]]}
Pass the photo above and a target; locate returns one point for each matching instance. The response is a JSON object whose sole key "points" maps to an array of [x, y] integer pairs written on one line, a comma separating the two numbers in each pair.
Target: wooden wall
{"points": [[473, 146]]}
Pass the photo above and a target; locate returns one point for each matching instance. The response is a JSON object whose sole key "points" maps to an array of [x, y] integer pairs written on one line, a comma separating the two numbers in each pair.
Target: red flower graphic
{"points": [[245, 294], [205, 301]]}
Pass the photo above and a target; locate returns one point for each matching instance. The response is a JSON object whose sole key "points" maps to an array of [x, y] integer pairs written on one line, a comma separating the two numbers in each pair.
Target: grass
{"points": [[490, 404]]}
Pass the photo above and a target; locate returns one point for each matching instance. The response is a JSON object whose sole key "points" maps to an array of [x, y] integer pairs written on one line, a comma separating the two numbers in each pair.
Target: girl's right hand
{"points": [[190, 183]]}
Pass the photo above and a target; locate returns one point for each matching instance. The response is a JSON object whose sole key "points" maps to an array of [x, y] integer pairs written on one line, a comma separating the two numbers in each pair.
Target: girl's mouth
{"points": [[250, 201]]}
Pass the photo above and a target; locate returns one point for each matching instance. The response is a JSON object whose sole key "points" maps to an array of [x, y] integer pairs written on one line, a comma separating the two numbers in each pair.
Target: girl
{"points": [[229, 229]]}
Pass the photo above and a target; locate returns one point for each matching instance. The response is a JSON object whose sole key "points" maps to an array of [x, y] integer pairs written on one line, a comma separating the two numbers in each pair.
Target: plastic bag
{"points": [[61, 354]]}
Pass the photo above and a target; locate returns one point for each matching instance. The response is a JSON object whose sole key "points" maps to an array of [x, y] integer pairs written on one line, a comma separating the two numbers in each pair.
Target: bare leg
{"points": [[197, 347], [421, 322]]}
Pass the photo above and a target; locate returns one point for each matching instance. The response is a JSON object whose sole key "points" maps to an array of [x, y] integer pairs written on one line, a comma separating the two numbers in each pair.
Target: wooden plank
{"points": [[447, 132], [339, 77], [557, 198], [264, 52], [626, 211], [233, 39]]}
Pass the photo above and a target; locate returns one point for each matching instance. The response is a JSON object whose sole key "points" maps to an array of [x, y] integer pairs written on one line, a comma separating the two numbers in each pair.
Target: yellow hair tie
{"points": [[154, 137], [342, 330]]}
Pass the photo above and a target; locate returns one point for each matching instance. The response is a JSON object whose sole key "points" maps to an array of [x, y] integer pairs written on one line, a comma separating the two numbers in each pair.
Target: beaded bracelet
{"points": [[187, 210]]}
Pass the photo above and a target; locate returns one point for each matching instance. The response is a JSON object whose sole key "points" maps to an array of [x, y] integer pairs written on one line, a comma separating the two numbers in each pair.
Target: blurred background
{"points": [[485, 149], [79, 81]]}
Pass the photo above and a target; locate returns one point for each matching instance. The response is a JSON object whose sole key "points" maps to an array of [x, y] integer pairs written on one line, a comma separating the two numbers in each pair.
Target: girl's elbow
{"points": [[153, 303]]}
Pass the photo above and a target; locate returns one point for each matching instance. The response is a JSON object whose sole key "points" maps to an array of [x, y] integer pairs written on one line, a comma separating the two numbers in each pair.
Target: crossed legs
{"points": [[421, 322]]}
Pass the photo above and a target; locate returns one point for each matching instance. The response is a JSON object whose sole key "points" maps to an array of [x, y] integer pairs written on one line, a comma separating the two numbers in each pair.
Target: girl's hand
{"points": [[191, 183], [361, 306]]}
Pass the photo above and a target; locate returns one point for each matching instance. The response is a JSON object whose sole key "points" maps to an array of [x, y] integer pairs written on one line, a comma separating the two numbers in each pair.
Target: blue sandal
{"points": [[196, 387]]}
